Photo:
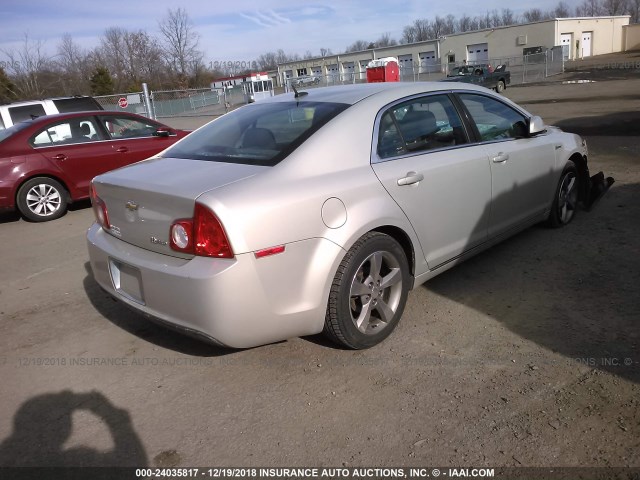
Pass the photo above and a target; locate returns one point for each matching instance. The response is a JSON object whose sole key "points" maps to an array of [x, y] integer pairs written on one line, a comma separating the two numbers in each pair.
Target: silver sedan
{"points": [[319, 211]]}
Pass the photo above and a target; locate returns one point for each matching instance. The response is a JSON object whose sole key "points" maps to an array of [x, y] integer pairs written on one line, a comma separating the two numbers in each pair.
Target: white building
{"points": [[579, 38]]}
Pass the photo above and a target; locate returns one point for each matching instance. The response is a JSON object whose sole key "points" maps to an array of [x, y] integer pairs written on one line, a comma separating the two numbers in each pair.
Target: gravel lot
{"points": [[526, 355]]}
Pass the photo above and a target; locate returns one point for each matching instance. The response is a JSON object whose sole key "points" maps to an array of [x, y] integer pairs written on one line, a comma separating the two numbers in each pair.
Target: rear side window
{"points": [[76, 104], [259, 134], [26, 112], [72, 131], [6, 133]]}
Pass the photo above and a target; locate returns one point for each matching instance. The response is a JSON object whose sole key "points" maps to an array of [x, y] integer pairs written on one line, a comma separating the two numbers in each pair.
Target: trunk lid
{"points": [[143, 200]]}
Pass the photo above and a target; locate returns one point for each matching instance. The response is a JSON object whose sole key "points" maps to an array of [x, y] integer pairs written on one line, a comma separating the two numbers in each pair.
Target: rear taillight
{"points": [[203, 235], [99, 208]]}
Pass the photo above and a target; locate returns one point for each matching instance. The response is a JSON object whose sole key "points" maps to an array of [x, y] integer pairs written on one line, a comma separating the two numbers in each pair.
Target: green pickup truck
{"points": [[483, 75]]}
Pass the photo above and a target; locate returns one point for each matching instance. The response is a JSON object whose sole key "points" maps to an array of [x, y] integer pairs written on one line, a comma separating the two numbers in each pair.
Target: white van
{"points": [[17, 112]]}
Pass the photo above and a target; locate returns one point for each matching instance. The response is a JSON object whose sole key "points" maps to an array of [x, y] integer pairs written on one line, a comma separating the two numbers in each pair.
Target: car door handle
{"points": [[122, 150], [500, 158], [61, 157], [410, 179]]}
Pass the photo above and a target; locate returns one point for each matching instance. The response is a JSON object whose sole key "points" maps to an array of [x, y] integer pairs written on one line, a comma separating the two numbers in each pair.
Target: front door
{"points": [[586, 44], [440, 181], [522, 167]]}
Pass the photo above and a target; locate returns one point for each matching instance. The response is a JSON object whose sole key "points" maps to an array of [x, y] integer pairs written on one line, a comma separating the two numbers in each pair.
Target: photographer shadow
{"points": [[43, 424]]}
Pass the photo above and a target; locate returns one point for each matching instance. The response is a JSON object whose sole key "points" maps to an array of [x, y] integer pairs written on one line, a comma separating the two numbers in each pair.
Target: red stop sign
{"points": [[122, 102]]}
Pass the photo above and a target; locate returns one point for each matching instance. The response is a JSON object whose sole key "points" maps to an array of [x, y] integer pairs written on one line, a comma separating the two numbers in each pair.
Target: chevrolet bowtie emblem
{"points": [[131, 206]]}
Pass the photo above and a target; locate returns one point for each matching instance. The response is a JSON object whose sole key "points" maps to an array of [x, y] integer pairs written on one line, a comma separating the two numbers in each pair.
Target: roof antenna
{"points": [[297, 93]]}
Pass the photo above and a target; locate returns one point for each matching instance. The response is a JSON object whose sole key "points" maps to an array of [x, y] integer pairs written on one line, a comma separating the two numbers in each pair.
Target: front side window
{"points": [[421, 124], [128, 127], [260, 134], [495, 120], [71, 131]]}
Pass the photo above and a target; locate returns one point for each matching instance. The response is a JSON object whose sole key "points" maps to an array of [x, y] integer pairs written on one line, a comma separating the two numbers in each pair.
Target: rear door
{"points": [[424, 159], [76, 148]]}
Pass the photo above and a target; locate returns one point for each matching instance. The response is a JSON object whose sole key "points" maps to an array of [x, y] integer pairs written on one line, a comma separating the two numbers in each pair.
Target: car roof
{"points": [[351, 94], [20, 103]]}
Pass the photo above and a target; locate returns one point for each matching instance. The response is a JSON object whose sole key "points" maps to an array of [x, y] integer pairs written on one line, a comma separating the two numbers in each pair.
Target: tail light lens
{"points": [[203, 235], [99, 208]]}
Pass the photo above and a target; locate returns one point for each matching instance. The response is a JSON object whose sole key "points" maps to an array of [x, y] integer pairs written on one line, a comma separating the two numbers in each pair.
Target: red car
{"points": [[49, 161]]}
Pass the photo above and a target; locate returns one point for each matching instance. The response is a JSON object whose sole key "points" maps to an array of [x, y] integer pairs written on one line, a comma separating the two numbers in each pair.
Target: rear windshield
{"points": [[6, 133], [259, 134], [76, 104], [26, 112]]}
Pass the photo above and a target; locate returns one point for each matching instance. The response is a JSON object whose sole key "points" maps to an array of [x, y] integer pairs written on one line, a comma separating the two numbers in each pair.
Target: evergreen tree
{"points": [[101, 82]]}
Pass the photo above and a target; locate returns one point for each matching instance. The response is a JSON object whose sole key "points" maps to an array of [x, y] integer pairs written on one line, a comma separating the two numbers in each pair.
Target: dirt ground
{"points": [[526, 355]]}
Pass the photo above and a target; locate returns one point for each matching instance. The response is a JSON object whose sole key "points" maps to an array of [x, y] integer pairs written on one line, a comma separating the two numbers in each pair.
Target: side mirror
{"points": [[536, 126], [163, 132]]}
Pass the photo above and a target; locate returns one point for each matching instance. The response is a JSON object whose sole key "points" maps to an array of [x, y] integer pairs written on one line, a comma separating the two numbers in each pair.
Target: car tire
{"points": [[362, 311], [42, 199], [565, 201], [500, 87]]}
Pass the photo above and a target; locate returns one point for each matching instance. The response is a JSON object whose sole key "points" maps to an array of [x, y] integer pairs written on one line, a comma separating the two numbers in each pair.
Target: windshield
{"points": [[14, 129], [260, 134]]}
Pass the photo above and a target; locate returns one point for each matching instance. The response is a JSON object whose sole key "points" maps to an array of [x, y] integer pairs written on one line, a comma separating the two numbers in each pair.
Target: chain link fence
{"points": [[168, 103], [207, 102], [194, 102], [523, 69], [123, 102]]}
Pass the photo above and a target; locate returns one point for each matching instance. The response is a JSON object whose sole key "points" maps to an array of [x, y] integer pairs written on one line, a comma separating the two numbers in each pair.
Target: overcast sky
{"points": [[235, 30]]}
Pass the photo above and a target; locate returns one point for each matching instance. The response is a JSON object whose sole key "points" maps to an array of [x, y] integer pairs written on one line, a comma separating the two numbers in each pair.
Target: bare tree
{"points": [[29, 66], [267, 61], [614, 7], [634, 10], [111, 55], [562, 10], [508, 17], [180, 41], [465, 23], [408, 34], [589, 8], [385, 40], [72, 61], [451, 25], [357, 46], [533, 15]]}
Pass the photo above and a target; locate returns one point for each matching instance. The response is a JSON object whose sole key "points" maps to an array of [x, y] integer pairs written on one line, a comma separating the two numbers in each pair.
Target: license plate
{"points": [[127, 281]]}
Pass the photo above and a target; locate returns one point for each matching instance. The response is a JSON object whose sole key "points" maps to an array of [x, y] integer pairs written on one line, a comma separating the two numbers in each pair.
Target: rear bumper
{"points": [[240, 302]]}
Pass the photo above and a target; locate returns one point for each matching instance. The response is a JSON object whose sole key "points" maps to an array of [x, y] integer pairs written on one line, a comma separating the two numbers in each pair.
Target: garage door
{"points": [[478, 53], [405, 62], [349, 69], [427, 62], [333, 73], [363, 69]]}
